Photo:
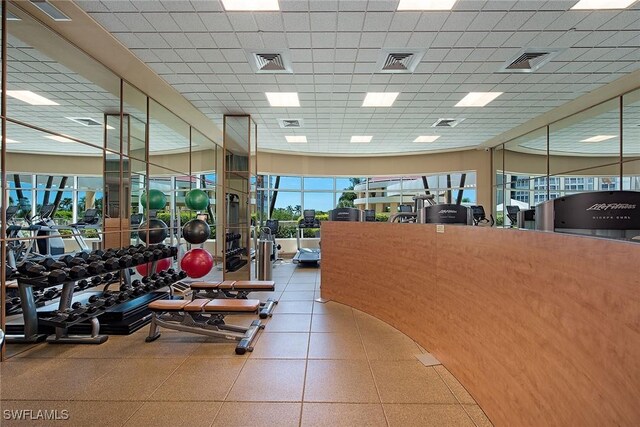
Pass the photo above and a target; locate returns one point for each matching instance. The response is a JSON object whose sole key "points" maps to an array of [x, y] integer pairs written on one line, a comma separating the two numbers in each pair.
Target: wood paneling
{"points": [[541, 328]]}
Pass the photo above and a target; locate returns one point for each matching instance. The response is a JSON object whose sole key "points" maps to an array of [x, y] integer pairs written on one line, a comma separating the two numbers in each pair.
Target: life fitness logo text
{"points": [[448, 211], [611, 206]]}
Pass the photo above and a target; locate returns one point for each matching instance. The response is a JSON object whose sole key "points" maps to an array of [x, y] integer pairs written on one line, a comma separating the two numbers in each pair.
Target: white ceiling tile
{"points": [[431, 21], [201, 40], [216, 22], [299, 40], [161, 21], [323, 21], [323, 40], [397, 40], [377, 21], [242, 21], [348, 40], [135, 21], [296, 21], [421, 39], [350, 21], [372, 40]]}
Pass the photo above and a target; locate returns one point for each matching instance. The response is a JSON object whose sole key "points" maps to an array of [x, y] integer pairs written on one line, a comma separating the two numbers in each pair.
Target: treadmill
{"points": [[307, 256]]}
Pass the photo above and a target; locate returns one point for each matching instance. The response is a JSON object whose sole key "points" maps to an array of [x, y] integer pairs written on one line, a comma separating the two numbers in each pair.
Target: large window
{"points": [[287, 196]]}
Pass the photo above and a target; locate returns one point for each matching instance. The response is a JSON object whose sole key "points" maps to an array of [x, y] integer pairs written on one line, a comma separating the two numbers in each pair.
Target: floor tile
{"points": [[200, 379], [344, 323], [298, 287], [293, 307], [405, 381], [288, 323], [131, 379], [38, 379], [342, 415], [281, 345], [404, 415], [456, 388], [339, 381], [244, 414], [477, 415], [269, 379], [177, 414], [331, 307], [72, 413], [298, 279], [370, 325], [217, 348], [45, 350], [390, 346], [297, 296], [332, 345]]}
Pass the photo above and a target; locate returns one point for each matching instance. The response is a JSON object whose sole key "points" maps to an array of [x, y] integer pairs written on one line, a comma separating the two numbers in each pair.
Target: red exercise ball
{"points": [[161, 265], [196, 263]]}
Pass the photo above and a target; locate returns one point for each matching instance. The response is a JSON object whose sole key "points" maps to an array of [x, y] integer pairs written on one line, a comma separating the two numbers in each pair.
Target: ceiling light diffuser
{"points": [[380, 99], [30, 97], [296, 138], [59, 138], [283, 99], [250, 5], [426, 138], [599, 138], [361, 138], [602, 4], [426, 4], [12, 141], [478, 99]]}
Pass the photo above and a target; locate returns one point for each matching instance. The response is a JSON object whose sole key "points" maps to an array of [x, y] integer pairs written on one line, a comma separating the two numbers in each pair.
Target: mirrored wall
{"points": [[597, 149], [91, 162]]}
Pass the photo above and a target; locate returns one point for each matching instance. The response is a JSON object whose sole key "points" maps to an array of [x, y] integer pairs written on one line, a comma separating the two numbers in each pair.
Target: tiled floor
{"points": [[313, 365]]}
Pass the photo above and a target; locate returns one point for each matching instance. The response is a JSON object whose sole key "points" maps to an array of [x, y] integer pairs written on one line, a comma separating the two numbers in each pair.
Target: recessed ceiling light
{"points": [[426, 4], [250, 5], [296, 138], [49, 9], [12, 141], [361, 138], [283, 99], [426, 138], [59, 138], [380, 99], [478, 99], [30, 97], [599, 138], [602, 4], [12, 17]]}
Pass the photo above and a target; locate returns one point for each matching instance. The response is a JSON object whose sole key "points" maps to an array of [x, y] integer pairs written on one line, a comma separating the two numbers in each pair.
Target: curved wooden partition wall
{"points": [[541, 328]]}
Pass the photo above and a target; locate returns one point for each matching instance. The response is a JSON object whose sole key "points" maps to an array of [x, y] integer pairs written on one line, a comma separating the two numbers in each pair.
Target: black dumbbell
{"points": [[97, 252], [106, 300], [76, 272], [32, 269], [71, 260], [51, 293], [81, 285], [125, 261], [52, 264], [108, 254], [137, 259], [83, 255], [109, 277], [112, 264]]}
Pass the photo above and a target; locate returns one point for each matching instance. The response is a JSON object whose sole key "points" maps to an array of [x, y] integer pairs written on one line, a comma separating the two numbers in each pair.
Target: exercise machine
{"points": [[512, 214], [205, 317], [273, 225], [480, 217], [609, 214], [306, 256], [526, 219], [426, 211]]}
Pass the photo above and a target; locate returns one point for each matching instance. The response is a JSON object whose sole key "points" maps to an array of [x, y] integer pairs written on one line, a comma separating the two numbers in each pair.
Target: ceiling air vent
{"points": [[270, 62], [529, 60], [85, 121], [398, 60], [446, 123], [290, 123]]}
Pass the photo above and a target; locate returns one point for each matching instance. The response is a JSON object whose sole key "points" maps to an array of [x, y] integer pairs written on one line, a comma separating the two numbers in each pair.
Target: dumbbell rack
{"points": [[234, 252], [32, 321]]}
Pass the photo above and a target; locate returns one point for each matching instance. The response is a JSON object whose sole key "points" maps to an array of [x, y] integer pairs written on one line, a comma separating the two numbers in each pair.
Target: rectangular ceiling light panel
{"points": [[30, 97], [478, 99], [426, 4], [59, 138], [599, 138], [380, 99], [250, 5], [361, 139], [602, 4], [426, 138], [283, 99], [296, 139]]}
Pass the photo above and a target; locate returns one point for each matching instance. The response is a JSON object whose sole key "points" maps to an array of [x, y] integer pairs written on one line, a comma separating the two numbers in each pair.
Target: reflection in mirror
{"points": [[631, 178], [135, 110], [631, 125], [168, 139], [53, 85], [55, 208], [237, 246], [585, 140]]}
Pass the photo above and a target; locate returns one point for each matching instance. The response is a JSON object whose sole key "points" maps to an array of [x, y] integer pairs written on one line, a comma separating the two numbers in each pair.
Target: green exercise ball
{"points": [[157, 200], [196, 200]]}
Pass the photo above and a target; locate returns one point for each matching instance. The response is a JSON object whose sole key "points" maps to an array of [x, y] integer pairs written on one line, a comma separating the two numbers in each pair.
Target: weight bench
{"points": [[231, 289], [205, 317]]}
